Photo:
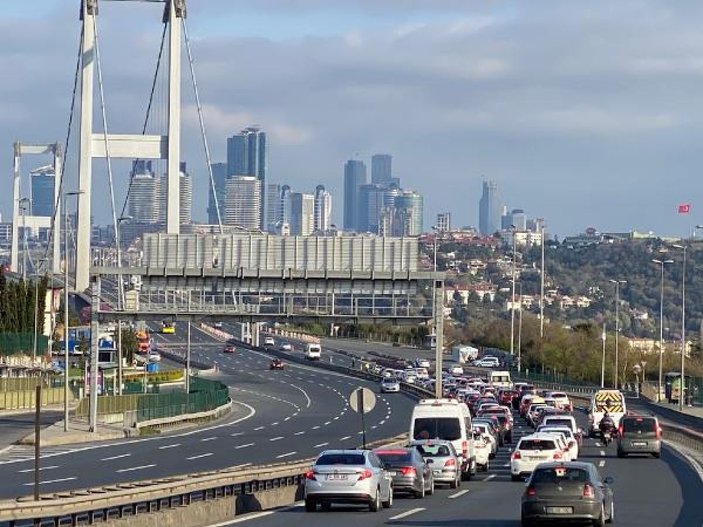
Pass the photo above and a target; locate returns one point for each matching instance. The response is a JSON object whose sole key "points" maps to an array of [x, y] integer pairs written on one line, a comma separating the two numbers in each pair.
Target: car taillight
{"points": [[659, 432], [557, 455], [588, 491], [516, 455], [450, 463], [620, 430], [408, 471], [530, 491], [572, 443], [310, 474], [366, 474]]}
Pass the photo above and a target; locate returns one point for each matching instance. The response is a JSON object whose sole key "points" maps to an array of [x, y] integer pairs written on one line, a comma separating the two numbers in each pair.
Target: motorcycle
{"points": [[606, 437], [607, 433]]}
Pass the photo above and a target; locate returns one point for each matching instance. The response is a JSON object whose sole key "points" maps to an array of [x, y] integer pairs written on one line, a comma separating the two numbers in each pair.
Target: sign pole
{"points": [[360, 395], [37, 440]]}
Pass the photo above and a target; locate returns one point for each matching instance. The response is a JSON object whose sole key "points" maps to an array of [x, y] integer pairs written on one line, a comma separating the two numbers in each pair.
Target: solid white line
{"points": [[287, 454], [344, 438], [458, 494], [50, 481], [276, 438], [200, 456], [255, 515], [244, 446], [406, 513], [142, 467], [316, 446], [115, 457], [208, 439], [489, 478], [601, 463], [174, 445], [52, 467]]}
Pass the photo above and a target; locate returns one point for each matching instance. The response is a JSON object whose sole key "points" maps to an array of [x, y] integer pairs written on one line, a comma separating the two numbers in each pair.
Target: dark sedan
{"points": [[408, 469], [276, 364], [573, 491]]}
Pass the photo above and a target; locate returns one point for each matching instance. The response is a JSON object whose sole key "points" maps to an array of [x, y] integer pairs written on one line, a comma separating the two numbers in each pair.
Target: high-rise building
{"points": [[354, 177], [42, 191], [219, 175], [274, 213], [489, 209], [246, 156], [302, 222], [285, 205], [408, 215], [371, 204], [323, 209], [444, 222], [242, 200], [143, 202], [381, 169], [185, 195]]}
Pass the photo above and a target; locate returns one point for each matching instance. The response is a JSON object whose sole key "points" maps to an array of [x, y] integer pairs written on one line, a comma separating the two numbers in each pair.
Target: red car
{"points": [[228, 349], [276, 364]]}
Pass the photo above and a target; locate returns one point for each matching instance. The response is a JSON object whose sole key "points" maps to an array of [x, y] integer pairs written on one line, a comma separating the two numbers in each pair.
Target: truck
{"points": [[611, 401], [463, 353], [500, 379]]}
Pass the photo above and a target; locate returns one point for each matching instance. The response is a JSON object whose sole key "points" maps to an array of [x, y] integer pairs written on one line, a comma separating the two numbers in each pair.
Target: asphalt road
{"points": [[280, 416], [16, 426]]}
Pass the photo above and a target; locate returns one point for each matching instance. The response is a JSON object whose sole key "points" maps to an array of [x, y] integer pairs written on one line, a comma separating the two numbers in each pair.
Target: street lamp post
{"points": [[683, 326], [661, 263], [434, 252], [120, 300], [23, 207], [541, 292], [617, 283], [512, 297], [602, 364], [519, 334], [65, 307]]}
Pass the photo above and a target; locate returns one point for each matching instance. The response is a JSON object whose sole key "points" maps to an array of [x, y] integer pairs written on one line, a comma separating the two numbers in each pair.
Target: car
{"points": [[488, 362], [348, 476], [153, 356], [639, 434], [564, 420], [444, 460], [487, 433], [229, 348], [568, 491], [409, 471], [422, 363], [276, 364], [562, 400], [456, 370], [268, 341], [286, 346], [390, 385], [532, 450], [217, 325], [482, 447], [569, 437]]}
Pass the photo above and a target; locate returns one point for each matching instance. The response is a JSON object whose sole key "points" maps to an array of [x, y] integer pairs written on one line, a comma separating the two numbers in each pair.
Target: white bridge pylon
{"points": [[98, 145]]}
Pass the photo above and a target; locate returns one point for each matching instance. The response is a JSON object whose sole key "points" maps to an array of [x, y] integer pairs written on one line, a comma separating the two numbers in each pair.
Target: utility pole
{"points": [[541, 292], [512, 297]]}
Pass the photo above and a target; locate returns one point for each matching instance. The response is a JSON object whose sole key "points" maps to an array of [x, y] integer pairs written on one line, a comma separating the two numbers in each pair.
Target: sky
{"points": [[588, 114]]}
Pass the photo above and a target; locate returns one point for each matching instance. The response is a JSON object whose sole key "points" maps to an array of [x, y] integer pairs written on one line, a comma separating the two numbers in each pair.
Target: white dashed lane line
{"points": [[52, 467], [458, 494], [244, 446], [601, 463], [205, 439], [166, 447], [120, 456], [132, 469], [406, 513], [259, 428], [344, 438], [299, 433], [320, 445], [49, 481], [199, 456], [276, 438], [287, 454]]}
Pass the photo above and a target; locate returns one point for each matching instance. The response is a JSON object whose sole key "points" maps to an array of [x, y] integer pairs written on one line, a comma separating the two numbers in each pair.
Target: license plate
{"points": [[392, 473], [560, 510], [639, 443], [437, 472], [337, 477]]}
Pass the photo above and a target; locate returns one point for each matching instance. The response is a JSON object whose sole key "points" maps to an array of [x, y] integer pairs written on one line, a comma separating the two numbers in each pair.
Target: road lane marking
{"points": [[320, 445], [316, 427], [274, 424], [208, 439], [344, 438], [299, 433], [131, 469], [52, 467], [406, 513], [258, 428], [165, 447], [601, 463], [244, 446], [287, 418], [115, 457], [47, 482], [256, 515], [458, 494], [237, 434], [276, 438], [602, 452], [328, 422], [597, 443], [287, 454], [489, 478], [199, 456]]}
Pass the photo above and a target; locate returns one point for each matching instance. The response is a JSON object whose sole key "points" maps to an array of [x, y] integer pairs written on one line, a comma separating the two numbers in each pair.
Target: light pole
{"points": [[23, 207], [434, 244], [661, 263], [683, 326], [602, 364], [541, 291], [120, 300], [617, 283], [36, 308], [512, 298], [65, 306], [519, 335]]}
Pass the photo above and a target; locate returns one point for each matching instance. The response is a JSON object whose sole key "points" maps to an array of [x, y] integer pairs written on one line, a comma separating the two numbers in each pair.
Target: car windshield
{"points": [[395, 456], [537, 444], [559, 475], [638, 425], [433, 450], [561, 422], [341, 459], [437, 427]]}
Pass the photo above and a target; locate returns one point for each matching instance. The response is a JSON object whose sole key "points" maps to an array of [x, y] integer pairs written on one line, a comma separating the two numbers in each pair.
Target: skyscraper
{"points": [[242, 199], [371, 202], [143, 202], [302, 220], [246, 156], [186, 197], [489, 209], [354, 177], [274, 213], [381, 169], [323, 209], [42, 189], [219, 175], [285, 204], [409, 210]]}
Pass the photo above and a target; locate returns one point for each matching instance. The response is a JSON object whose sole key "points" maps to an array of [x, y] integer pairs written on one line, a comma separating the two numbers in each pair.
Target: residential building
{"points": [[242, 202], [219, 176], [185, 194], [302, 214], [381, 169], [444, 222], [323, 209], [246, 156], [354, 178], [489, 208], [143, 202], [522, 238], [42, 189]]}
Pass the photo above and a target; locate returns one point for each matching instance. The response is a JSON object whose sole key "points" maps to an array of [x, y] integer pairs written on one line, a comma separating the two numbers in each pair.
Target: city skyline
{"points": [[487, 90]]}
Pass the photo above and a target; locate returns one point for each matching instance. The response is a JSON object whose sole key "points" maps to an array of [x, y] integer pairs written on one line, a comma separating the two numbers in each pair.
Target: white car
{"points": [[482, 448], [286, 346], [422, 363], [456, 370], [489, 438], [390, 385], [532, 450], [567, 434], [268, 341], [154, 356], [562, 399], [488, 362]]}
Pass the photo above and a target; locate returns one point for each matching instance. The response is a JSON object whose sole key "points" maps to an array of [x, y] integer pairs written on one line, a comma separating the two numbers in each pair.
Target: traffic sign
{"points": [[362, 398]]}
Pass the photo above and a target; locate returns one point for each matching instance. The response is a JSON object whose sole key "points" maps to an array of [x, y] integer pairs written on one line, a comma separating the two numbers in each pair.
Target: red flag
{"points": [[685, 208]]}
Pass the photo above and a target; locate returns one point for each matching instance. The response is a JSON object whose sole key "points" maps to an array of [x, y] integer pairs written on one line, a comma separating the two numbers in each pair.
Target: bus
{"points": [[168, 327]]}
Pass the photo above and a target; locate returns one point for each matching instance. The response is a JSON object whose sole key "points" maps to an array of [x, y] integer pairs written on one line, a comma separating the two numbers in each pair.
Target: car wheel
{"points": [[513, 477], [527, 523], [389, 503], [375, 504], [600, 521], [420, 494], [326, 506], [310, 505], [621, 453], [656, 454], [611, 513], [454, 483], [430, 491]]}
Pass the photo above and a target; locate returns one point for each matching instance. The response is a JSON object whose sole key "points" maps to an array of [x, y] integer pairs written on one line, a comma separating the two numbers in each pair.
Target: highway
{"points": [[279, 416]]}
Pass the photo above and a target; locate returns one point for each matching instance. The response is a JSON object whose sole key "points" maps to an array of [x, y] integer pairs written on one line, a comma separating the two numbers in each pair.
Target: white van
{"points": [[446, 419], [313, 351], [500, 379], [611, 401]]}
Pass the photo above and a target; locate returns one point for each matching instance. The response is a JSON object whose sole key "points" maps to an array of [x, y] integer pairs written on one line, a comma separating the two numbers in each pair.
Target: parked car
{"points": [[639, 434], [567, 492], [276, 364], [409, 471], [348, 476], [442, 458], [390, 385]]}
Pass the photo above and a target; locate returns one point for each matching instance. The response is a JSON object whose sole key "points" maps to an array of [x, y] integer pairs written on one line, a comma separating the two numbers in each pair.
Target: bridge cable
{"points": [[201, 121]]}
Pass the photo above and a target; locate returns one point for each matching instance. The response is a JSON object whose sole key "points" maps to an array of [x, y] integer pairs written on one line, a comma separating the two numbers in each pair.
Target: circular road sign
{"points": [[362, 398]]}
